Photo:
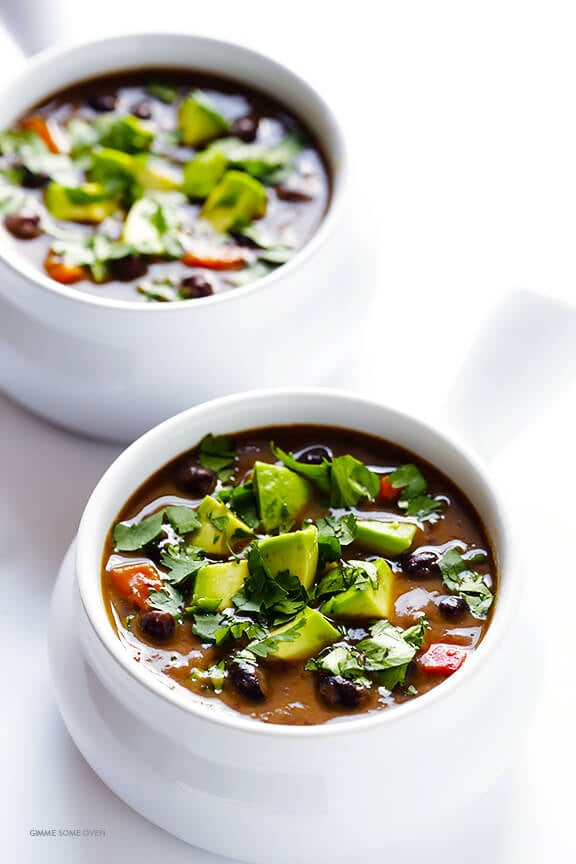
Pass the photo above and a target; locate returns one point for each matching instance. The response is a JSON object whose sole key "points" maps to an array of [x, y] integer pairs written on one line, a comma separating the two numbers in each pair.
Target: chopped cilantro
{"points": [[277, 597], [347, 576], [212, 678], [167, 599], [181, 562], [466, 583], [333, 533], [413, 497], [345, 479], [217, 453], [129, 538], [164, 92], [219, 627], [318, 474]]}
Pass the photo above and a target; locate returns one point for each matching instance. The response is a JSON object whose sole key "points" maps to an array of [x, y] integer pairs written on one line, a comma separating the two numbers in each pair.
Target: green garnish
{"points": [[217, 453], [277, 597], [413, 497], [466, 583], [130, 538], [346, 576], [334, 533], [167, 93], [167, 599]]}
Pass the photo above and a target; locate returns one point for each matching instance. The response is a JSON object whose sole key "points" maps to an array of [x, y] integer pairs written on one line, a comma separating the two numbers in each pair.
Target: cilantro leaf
{"points": [[318, 474], [167, 599], [466, 583], [129, 538], [217, 628], [217, 453], [413, 497], [347, 576], [181, 562], [164, 92], [333, 533], [344, 661], [351, 481], [242, 500], [278, 597], [270, 643]]}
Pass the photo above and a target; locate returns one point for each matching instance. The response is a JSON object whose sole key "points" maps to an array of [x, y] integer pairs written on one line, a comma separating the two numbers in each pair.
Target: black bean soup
{"points": [[300, 574], [160, 185]]}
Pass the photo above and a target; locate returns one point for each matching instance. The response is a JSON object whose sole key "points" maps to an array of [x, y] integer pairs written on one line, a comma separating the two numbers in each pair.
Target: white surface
{"points": [[462, 117]]}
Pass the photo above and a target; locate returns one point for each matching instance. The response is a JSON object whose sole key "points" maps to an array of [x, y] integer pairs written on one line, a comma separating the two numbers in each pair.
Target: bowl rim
{"points": [[508, 594], [338, 168]]}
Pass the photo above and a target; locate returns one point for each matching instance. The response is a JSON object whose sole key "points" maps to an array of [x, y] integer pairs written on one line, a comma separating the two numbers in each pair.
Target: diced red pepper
{"points": [[213, 257], [135, 582], [387, 491], [58, 270], [442, 659], [40, 127]]}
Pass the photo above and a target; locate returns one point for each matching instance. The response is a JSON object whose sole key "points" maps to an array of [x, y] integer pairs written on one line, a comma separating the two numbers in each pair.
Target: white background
{"points": [[461, 123]]}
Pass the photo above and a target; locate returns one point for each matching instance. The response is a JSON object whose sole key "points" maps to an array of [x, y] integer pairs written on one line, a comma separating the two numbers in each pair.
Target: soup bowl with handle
{"points": [[113, 368], [258, 792]]}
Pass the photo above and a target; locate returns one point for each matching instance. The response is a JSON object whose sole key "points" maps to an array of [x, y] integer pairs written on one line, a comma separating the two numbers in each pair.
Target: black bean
{"points": [[245, 128], [158, 626], [294, 194], [102, 101], [32, 180], [249, 681], [452, 606], [196, 480], [195, 286], [314, 455], [128, 268], [421, 563], [24, 226], [143, 110], [341, 693]]}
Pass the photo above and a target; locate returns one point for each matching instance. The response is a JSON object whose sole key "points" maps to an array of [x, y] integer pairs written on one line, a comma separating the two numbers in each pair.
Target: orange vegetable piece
{"points": [[58, 270], [213, 257], [37, 124], [135, 582]]}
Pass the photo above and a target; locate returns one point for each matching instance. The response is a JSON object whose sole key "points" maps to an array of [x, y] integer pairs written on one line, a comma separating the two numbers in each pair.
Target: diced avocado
{"points": [[220, 582], [199, 121], [151, 172], [365, 602], [296, 552], [90, 202], [203, 172], [281, 494], [111, 165], [314, 633], [219, 525], [236, 201], [387, 538], [128, 134]]}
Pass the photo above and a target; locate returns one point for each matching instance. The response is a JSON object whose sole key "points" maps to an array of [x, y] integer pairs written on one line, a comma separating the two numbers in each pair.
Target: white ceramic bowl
{"points": [[262, 793], [112, 368]]}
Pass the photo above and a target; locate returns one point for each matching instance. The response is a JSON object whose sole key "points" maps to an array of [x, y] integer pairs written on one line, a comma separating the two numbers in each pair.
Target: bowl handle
{"points": [[522, 362]]}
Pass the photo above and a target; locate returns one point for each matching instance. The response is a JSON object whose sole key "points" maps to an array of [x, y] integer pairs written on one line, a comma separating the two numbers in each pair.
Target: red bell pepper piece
{"points": [[135, 582], [66, 274], [387, 491], [442, 659]]}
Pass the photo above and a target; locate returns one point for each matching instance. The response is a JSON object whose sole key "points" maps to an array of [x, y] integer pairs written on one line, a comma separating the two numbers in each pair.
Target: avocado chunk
{"points": [[219, 525], [220, 582], [199, 121], [235, 202], [386, 538], [90, 202], [109, 165], [365, 602], [281, 494], [296, 552], [151, 172], [128, 134], [203, 172], [314, 632]]}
